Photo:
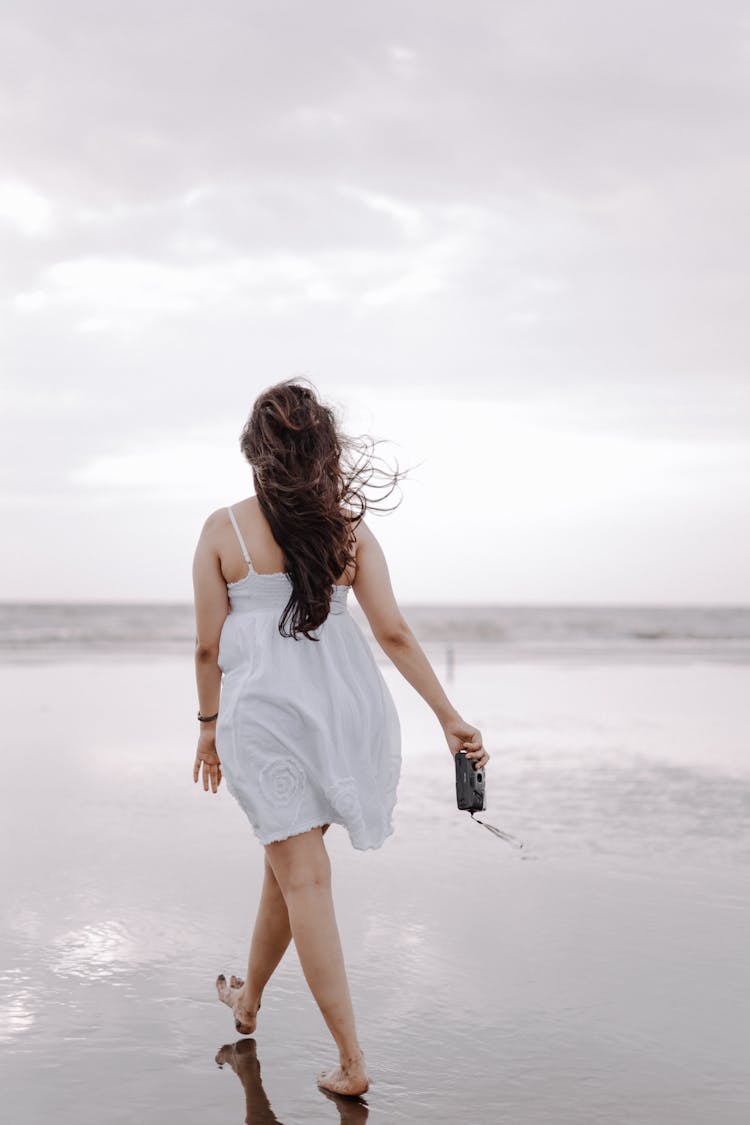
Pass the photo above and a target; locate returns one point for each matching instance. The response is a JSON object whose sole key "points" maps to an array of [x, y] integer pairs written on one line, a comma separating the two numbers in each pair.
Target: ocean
{"points": [[38, 631], [597, 975]]}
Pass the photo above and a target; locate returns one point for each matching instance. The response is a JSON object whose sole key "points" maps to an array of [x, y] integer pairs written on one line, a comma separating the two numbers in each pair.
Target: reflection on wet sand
{"points": [[485, 989], [242, 1056]]}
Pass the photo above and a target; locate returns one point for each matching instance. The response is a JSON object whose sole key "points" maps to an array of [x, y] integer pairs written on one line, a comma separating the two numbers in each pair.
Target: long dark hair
{"points": [[310, 480]]}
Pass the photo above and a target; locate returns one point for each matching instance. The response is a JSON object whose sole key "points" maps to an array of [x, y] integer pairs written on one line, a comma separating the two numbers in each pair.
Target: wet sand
{"points": [[602, 978]]}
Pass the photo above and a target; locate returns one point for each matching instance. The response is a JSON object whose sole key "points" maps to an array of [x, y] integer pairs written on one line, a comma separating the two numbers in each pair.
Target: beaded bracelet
{"points": [[207, 718]]}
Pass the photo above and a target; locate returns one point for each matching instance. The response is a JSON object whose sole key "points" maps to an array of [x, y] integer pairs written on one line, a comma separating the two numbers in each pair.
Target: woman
{"points": [[294, 711]]}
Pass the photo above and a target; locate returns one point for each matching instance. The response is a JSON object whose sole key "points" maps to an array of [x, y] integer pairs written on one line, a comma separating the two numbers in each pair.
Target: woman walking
{"points": [[294, 711]]}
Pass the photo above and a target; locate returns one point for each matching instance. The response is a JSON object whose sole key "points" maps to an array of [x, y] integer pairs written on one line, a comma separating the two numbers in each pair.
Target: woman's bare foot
{"points": [[233, 996], [349, 1077]]}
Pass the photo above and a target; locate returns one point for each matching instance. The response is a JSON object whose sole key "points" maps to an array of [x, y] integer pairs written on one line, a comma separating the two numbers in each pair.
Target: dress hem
{"points": [[277, 837], [370, 847]]}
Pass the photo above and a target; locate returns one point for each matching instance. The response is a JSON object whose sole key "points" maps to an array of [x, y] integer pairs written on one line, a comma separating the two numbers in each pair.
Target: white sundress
{"points": [[307, 733]]}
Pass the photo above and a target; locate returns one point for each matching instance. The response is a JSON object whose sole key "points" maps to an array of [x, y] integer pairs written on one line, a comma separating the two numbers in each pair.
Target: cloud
{"points": [[108, 293], [24, 210], [193, 464], [521, 201]]}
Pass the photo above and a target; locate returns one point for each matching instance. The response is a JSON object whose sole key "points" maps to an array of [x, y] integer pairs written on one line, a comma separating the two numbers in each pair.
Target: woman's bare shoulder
{"points": [[217, 524], [362, 533], [246, 504], [220, 516], [216, 518], [360, 526]]}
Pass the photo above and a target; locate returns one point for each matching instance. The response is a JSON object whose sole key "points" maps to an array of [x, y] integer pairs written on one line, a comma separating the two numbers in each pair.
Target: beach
{"points": [[598, 974]]}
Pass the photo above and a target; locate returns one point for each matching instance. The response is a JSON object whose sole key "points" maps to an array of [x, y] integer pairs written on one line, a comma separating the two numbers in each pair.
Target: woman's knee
{"points": [[300, 862]]}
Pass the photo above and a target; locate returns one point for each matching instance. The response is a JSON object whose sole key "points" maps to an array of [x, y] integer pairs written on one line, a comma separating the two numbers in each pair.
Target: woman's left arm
{"points": [[211, 608]]}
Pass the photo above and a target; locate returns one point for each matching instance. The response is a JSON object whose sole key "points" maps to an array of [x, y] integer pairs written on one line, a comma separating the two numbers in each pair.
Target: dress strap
{"points": [[245, 553]]}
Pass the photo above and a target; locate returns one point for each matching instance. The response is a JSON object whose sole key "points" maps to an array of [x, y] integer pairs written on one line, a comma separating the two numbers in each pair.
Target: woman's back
{"points": [[248, 525], [307, 733]]}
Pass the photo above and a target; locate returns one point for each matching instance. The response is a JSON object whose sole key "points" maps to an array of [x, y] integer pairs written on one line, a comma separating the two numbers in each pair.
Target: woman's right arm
{"points": [[373, 590]]}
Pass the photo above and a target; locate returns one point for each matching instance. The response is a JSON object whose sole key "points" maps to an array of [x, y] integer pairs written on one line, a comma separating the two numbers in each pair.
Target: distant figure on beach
{"points": [[294, 711]]}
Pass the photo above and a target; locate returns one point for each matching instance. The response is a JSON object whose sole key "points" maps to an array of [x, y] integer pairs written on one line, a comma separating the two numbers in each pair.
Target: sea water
{"points": [[599, 974]]}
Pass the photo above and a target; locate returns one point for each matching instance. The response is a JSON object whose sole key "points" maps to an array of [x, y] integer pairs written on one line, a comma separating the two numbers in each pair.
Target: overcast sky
{"points": [[511, 238]]}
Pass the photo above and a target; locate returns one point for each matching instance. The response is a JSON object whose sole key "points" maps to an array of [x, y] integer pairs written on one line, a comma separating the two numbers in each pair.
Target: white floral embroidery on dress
{"points": [[345, 799], [282, 781]]}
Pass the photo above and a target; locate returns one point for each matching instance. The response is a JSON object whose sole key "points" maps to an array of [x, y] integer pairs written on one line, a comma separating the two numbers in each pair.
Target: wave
{"points": [[31, 631]]}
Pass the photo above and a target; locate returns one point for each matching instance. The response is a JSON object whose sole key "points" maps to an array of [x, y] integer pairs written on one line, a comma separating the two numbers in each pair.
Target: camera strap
{"points": [[509, 839]]}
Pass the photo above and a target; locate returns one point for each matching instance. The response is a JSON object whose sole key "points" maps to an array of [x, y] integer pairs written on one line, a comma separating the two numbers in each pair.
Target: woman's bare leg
{"points": [[270, 941], [303, 872]]}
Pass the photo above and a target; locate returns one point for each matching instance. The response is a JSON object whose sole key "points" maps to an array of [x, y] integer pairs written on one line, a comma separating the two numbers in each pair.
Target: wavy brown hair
{"points": [[311, 480]]}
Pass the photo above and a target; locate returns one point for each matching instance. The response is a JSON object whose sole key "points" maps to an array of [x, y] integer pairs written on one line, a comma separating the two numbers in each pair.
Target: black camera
{"points": [[469, 784]]}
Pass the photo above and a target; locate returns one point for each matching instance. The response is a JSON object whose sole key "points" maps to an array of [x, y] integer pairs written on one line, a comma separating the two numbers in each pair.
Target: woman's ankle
{"points": [[353, 1056], [248, 1003]]}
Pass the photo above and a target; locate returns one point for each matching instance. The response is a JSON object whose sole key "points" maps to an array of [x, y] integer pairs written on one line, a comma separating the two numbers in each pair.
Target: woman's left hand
{"points": [[207, 756]]}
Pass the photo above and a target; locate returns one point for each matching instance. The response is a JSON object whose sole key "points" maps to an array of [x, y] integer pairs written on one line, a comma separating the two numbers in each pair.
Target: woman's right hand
{"points": [[463, 736]]}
